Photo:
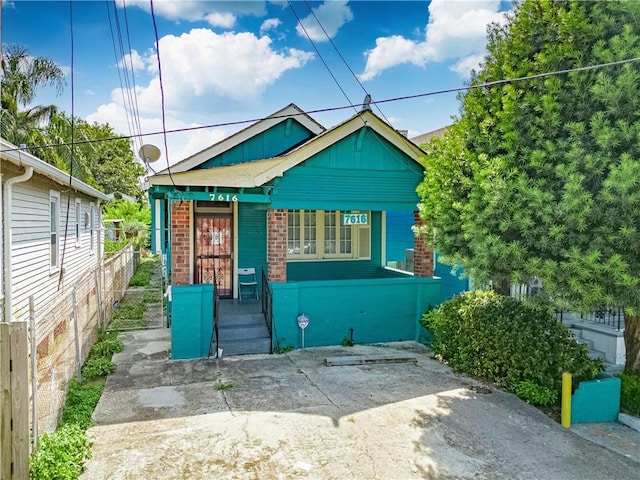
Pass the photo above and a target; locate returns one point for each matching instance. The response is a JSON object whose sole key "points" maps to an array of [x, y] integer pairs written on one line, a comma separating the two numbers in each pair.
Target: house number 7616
{"points": [[223, 197]]}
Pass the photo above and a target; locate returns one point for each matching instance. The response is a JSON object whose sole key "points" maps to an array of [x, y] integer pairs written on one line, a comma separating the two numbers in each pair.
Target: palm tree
{"points": [[22, 76]]}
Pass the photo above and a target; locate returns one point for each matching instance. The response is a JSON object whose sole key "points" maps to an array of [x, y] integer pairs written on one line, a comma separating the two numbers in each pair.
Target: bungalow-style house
{"points": [[50, 231], [306, 208]]}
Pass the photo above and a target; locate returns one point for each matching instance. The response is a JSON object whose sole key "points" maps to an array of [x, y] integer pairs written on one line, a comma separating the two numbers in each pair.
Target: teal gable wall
{"points": [[252, 237], [272, 142], [361, 171]]}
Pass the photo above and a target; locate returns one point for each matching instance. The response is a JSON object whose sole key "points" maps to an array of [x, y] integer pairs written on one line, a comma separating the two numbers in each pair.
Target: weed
{"points": [[630, 393], [221, 385], [280, 348], [347, 342], [96, 367], [142, 277], [60, 455], [82, 399], [536, 394]]}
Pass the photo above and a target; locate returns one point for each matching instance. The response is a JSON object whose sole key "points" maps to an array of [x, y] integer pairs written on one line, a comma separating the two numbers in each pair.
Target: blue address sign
{"points": [[355, 219]]}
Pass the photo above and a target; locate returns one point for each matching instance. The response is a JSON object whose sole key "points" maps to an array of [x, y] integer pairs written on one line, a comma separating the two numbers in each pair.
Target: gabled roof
{"points": [[260, 172], [426, 137], [290, 111], [21, 158]]}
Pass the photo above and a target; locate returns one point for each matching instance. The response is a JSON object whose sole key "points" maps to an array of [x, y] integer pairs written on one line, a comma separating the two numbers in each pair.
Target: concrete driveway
{"points": [[290, 416]]}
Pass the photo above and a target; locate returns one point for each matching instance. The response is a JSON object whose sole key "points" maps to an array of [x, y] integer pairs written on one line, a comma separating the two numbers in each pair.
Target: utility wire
{"points": [[73, 121], [319, 55], [344, 107], [344, 60], [133, 73], [164, 127]]}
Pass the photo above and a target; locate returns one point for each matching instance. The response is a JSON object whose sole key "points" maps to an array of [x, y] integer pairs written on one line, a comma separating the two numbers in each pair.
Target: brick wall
{"points": [[180, 241], [277, 244], [423, 254]]}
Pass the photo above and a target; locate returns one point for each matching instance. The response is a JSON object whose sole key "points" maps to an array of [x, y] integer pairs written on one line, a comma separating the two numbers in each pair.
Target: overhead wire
{"points": [[164, 126], [344, 60], [344, 107], [71, 156], [320, 55]]}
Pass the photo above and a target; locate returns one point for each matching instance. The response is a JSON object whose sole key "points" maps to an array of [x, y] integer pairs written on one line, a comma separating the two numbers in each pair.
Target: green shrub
{"points": [[82, 399], [60, 455], [106, 348], [142, 276], [96, 367], [507, 342], [536, 394], [630, 393]]}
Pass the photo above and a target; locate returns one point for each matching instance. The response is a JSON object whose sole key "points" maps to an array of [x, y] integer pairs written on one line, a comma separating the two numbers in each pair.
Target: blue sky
{"points": [[236, 60]]}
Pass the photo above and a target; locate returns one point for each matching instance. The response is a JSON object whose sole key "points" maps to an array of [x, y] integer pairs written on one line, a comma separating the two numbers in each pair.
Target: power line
{"points": [[344, 107], [320, 55], [164, 127]]}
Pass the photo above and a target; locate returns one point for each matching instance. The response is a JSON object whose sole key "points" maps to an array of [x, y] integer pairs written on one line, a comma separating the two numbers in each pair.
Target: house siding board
{"points": [[252, 234], [30, 244], [264, 145], [399, 234], [451, 282], [378, 177]]}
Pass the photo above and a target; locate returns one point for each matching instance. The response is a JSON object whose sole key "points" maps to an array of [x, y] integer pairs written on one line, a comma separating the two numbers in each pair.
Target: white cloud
{"points": [[217, 14], [221, 72], [331, 14], [89, 92], [132, 59], [270, 24], [456, 30]]}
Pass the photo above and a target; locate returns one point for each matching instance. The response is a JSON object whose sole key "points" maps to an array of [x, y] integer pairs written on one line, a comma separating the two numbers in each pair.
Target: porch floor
{"points": [[242, 328]]}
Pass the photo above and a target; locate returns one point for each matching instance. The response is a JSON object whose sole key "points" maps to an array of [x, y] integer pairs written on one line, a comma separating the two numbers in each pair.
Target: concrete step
{"points": [[241, 319], [612, 368], [240, 332], [583, 341], [575, 332], [245, 346], [596, 354]]}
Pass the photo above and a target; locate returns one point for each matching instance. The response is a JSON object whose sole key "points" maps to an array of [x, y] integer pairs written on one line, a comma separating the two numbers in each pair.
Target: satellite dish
{"points": [[149, 153]]}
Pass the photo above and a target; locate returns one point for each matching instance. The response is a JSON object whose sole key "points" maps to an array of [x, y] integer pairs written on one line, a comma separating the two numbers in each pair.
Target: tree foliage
{"points": [[541, 178]]}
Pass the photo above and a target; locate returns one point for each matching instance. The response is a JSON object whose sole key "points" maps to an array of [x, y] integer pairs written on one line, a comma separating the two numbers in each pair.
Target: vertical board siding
{"points": [[452, 284], [252, 237], [267, 144], [400, 235], [30, 244]]}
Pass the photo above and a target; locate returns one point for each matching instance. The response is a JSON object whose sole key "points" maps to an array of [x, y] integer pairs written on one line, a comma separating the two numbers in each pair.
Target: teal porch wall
{"points": [[378, 310], [191, 320], [270, 143], [362, 171], [252, 237]]}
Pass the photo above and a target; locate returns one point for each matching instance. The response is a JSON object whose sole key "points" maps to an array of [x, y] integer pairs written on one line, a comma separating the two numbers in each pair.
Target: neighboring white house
{"points": [[51, 231]]}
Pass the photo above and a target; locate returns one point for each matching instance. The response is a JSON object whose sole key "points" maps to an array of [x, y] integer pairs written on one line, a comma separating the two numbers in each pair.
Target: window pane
{"points": [[330, 231], [310, 240], [293, 232], [52, 216], [345, 239]]}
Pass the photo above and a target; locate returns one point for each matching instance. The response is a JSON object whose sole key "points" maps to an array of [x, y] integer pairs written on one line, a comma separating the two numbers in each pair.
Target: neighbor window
{"points": [[91, 223], [54, 228], [78, 220], [323, 234]]}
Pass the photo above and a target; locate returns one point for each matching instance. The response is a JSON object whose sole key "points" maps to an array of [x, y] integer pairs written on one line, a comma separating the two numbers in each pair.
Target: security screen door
{"points": [[214, 252]]}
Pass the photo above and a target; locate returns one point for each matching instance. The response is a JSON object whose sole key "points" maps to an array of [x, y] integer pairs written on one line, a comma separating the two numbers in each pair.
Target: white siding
{"points": [[30, 244]]}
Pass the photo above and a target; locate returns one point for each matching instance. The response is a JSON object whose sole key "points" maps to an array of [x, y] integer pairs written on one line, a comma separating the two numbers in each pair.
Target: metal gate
{"points": [[214, 252]]}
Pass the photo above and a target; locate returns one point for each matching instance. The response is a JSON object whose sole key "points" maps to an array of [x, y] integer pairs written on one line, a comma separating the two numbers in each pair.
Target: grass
{"points": [[221, 385], [142, 277]]}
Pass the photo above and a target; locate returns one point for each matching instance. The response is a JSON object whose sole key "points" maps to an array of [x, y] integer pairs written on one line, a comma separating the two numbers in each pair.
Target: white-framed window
{"points": [[54, 230], [92, 240], [323, 234], [78, 220]]}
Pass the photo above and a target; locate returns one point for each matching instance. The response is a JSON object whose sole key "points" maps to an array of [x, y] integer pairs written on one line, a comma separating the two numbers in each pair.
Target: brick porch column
{"points": [[422, 253], [277, 244], [180, 234]]}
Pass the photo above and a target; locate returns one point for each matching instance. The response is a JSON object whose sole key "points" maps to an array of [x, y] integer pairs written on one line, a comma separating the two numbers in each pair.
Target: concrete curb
{"points": [[629, 420]]}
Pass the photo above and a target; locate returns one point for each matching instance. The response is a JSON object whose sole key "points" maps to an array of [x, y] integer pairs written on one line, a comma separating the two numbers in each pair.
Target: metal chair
{"points": [[247, 281]]}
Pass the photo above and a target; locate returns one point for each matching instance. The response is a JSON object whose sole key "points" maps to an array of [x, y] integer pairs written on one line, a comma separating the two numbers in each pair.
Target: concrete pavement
{"points": [[291, 416]]}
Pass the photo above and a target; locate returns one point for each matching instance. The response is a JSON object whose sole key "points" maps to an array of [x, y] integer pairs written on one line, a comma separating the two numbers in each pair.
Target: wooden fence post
{"points": [[5, 401], [19, 399], [34, 372]]}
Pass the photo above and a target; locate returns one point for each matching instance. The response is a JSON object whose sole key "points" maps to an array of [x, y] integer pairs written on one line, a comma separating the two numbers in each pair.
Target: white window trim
{"points": [[78, 225], [320, 255], [92, 239], [54, 195]]}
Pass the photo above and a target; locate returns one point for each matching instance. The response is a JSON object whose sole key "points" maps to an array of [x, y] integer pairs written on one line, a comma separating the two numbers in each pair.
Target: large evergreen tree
{"points": [[541, 178]]}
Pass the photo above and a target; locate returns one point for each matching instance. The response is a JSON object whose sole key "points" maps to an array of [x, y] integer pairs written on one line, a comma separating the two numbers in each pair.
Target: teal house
{"points": [[305, 208]]}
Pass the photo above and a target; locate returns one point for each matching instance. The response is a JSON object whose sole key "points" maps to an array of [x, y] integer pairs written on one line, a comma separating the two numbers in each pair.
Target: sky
{"points": [[231, 61]]}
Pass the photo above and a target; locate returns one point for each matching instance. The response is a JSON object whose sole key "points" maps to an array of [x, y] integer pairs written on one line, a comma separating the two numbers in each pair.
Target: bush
{"points": [[505, 341], [630, 393], [96, 367], [60, 455], [536, 394]]}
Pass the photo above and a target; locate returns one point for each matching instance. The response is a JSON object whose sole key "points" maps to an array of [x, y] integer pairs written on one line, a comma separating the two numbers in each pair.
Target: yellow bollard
{"points": [[565, 412]]}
